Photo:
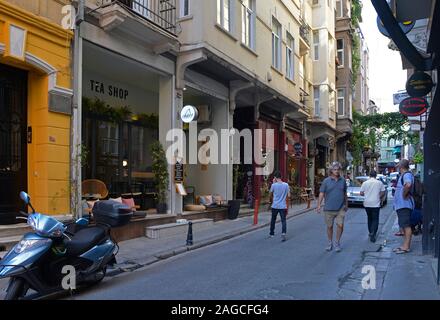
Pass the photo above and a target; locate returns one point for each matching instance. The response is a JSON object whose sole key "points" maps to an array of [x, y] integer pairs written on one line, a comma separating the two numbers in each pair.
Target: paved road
{"points": [[255, 267]]}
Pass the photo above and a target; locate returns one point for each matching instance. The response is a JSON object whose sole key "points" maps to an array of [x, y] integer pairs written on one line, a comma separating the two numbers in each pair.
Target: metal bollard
{"points": [[257, 204], [189, 238]]}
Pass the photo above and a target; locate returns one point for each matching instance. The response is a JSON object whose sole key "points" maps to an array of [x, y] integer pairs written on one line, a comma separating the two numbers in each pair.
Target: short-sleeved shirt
{"points": [[399, 201], [280, 191], [335, 191], [372, 189]]}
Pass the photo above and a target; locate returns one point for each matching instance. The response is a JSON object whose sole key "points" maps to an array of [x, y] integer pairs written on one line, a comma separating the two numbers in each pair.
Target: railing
{"points": [[160, 12], [305, 32]]}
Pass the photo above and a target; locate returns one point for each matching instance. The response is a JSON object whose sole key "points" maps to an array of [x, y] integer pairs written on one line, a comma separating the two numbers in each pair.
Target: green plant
{"points": [[356, 12], [356, 57], [148, 120], [160, 170], [418, 158], [98, 107]]}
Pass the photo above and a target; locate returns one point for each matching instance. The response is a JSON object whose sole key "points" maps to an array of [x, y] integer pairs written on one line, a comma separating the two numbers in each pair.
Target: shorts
{"points": [[331, 216], [404, 217]]}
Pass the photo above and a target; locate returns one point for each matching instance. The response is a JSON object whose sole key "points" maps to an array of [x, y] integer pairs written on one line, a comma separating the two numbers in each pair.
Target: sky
{"points": [[386, 75]]}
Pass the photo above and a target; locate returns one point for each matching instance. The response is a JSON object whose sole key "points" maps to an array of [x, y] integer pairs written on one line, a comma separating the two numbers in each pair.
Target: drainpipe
{"points": [[77, 116]]}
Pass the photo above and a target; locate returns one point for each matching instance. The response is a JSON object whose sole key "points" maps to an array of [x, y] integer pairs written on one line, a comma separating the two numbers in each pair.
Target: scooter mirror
{"points": [[25, 197]]}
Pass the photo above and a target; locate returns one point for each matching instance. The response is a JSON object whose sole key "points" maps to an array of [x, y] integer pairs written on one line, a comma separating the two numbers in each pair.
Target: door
{"points": [[13, 142]]}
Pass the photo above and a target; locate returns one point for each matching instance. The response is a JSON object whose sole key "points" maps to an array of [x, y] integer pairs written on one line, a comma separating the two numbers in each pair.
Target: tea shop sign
{"points": [[108, 89]]}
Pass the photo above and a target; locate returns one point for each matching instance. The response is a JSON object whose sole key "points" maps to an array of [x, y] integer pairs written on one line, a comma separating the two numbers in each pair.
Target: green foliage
{"points": [[356, 58], [356, 17], [418, 158], [356, 13], [98, 107], [369, 130], [160, 170], [148, 120]]}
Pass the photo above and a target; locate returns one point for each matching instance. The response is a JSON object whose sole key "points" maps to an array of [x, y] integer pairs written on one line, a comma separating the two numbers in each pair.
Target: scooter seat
{"points": [[85, 240]]}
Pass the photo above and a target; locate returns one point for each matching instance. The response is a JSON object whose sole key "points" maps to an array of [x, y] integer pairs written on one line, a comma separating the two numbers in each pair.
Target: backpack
{"points": [[416, 192]]}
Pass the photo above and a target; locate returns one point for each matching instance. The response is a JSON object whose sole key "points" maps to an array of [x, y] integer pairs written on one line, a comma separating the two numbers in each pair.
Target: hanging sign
{"points": [[413, 107], [298, 148], [406, 27], [189, 114], [178, 172], [419, 84]]}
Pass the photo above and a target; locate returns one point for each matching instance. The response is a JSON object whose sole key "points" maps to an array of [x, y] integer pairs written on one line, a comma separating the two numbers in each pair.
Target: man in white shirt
{"points": [[373, 190]]}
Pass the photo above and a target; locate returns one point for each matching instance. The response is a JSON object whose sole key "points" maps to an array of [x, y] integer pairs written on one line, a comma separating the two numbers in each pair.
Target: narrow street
{"points": [[255, 267]]}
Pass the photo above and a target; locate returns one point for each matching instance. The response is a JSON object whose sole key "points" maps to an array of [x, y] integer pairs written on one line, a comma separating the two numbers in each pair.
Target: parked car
{"points": [[354, 191]]}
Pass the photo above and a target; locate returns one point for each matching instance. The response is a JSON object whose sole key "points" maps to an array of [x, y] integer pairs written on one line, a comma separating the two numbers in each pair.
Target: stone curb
{"points": [[130, 266]]}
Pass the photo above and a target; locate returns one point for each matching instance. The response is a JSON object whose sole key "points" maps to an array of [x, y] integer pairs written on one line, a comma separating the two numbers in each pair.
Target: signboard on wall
{"points": [[419, 84], [413, 107], [178, 172], [117, 93]]}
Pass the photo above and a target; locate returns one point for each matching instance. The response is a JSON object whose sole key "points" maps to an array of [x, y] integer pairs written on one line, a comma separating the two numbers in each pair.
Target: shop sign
{"points": [[178, 172], [189, 114], [406, 27], [399, 97], [298, 148], [413, 107], [108, 89], [419, 85]]}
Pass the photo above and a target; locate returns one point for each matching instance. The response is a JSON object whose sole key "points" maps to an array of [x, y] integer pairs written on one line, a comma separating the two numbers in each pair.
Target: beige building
{"points": [[248, 64], [345, 79], [361, 96], [322, 125]]}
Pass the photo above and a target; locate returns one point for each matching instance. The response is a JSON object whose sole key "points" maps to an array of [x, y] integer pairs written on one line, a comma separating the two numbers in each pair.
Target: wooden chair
{"points": [[306, 195], [94, 188]]}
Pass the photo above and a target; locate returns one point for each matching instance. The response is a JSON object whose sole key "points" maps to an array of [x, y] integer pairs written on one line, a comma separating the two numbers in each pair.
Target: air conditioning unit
{"points": [[205, 114]]}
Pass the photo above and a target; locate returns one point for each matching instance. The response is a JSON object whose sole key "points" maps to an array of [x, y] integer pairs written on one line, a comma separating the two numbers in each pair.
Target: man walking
{"points": [[373, 190], [334, 191], [279, 195], [404, 204]]}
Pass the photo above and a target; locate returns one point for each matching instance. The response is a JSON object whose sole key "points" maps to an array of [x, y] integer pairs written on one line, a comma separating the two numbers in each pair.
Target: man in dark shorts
{"points": [[404, 204]]}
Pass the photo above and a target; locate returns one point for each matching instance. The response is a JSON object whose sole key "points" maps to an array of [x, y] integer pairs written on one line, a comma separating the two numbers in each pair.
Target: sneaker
{"points": [[283, 237], [338, 247], [329, 247], [373, 238], [271, 236]]}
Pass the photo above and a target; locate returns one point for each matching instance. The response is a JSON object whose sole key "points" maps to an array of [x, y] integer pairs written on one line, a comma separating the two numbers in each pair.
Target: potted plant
{"points": [[161, 176]]}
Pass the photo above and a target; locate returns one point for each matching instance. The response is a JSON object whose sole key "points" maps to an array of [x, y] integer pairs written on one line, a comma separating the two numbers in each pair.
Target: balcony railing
{"points": [[160, 12], [305, 32]]}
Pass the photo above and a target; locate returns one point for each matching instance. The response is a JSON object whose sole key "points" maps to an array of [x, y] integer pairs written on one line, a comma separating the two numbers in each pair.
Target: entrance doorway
{"points": [[13, 142]]}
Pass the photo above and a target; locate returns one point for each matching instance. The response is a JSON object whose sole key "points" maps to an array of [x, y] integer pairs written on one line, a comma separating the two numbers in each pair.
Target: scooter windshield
{"points": [[46, 226]]}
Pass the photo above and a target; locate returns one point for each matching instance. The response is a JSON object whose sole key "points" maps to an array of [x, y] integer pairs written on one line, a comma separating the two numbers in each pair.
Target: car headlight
{"points": [[27, 244]]}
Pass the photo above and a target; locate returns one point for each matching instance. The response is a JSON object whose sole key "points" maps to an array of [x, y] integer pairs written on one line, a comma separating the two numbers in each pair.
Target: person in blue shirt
{"points": [[404, 204], [279, 195]]}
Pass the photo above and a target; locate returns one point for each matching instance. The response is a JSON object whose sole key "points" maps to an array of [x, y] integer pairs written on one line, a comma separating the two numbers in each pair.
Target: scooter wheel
{"points": [[16, 289]]}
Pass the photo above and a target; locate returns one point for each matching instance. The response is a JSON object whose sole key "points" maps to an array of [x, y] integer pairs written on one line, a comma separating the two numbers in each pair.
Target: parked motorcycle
{"points": [[38, 260]]}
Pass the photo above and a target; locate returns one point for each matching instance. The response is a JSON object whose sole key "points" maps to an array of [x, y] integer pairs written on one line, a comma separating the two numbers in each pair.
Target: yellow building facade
{"points": [[35, 68]]}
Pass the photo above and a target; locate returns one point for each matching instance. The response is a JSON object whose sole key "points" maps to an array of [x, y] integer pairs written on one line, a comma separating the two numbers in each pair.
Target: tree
{"points": [[369, 130]]}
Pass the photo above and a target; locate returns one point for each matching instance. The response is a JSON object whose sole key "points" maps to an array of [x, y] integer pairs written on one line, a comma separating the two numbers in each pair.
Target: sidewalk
{"points": [[141, 252]]}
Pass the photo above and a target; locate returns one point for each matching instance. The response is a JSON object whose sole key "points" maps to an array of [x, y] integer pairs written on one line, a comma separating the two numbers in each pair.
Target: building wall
{"points": [[47, 50], [324, 69], [202, 30]]}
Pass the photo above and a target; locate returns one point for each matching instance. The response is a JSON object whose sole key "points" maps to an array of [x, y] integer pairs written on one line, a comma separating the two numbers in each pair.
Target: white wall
{"points": [[140, 100]]}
